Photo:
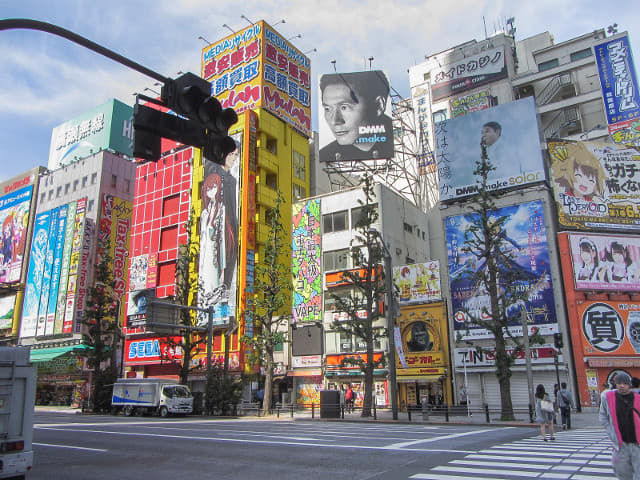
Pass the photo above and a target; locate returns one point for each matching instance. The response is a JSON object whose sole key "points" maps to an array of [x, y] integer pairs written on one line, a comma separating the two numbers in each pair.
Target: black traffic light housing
{"points": [[202, 123], [557, 340]]}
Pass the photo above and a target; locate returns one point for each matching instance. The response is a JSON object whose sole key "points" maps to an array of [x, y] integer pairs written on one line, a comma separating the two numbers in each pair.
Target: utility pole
{"points": [[527, 354]]}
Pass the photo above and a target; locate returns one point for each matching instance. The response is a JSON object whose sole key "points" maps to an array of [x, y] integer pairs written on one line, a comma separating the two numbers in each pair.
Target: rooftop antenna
{"points": [[485, 28], [370, 60], [333, 62]]}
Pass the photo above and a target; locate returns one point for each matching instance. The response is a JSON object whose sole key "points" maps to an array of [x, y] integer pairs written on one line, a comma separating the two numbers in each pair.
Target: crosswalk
{"points": [[583, 454]]}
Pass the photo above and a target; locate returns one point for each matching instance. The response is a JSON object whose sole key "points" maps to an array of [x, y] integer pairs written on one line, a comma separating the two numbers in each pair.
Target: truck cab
{"points": [[151, 395]]}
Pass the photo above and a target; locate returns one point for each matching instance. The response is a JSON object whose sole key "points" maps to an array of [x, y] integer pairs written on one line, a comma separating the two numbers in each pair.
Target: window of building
{"points": [[127, 185], [91, 205], [409, 260], [336, 260], [299, 192], [580, 54], [439, 116], [407, 227], [169, 237], [84, 181], [166, 273], [58, 191], [357, 215], [50, 194], [114, 181], [298, 165], [272, 145], [43, 196], [346, 342], [170, 205], [75, 185], [549, 64], [94, 178], [271, 181], [335, 222]]}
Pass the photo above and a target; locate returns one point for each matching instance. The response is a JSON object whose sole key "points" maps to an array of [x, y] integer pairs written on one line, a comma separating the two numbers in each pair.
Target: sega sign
{"points": [[152, 350]]}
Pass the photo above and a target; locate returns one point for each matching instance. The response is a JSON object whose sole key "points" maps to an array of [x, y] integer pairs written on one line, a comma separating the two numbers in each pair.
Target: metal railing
{"points": [[552, 88]]}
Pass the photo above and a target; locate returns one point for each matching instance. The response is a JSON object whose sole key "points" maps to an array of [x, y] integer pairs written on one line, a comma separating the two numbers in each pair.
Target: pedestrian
{"points": [[544, 412], [620, 415], [343, 394], [565, 402], [260, 396], [349, 399]]}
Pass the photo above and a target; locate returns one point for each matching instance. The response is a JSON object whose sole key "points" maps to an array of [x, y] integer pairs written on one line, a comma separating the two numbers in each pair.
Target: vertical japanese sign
{"points": [[596, 185], [421, 107], [525, 239], [305, 258], [64, 268], [618, 81], [58, 238], [46, 274], [14, 218], [74, 265]]}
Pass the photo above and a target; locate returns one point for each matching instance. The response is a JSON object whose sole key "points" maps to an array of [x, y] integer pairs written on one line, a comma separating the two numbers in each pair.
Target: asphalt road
{"points": [[101, 447]]}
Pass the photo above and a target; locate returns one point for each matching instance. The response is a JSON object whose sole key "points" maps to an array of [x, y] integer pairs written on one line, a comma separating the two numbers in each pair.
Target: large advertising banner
{"points": [[58, 239], [418, 283], [510, 132], [473, 102], [470, 357], [108, 126], [472, 72], [37, 260], [257, 68], [74, 265], [596, 185], [306, 255], [7, 307], [421, 107], [609, 328], [218, 263], [14, 217], [526, 239], [357, 117], [64, 268], [46, 274], [605, 262], [618, 81], [152, 351]]}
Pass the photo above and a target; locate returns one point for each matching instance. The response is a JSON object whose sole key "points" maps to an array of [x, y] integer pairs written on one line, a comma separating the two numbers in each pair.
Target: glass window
{"points": [[272, 181], [127, 185], [84, 181], [58, 191], [94, 178], [336, 260], [75, 185], [90, 205], [298, 165], [580, 54], [439, 116], [408, 228], [272, 145], [114, 180], [335, 222], [66, 188], [299, 192], [548, 65]]}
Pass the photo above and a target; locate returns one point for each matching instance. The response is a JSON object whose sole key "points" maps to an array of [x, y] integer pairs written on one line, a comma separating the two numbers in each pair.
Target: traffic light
{"points": [[557, 340], [200, 121]]}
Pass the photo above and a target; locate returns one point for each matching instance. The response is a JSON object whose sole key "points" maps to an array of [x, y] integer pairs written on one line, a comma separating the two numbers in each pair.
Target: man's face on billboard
{"points": [[343, 114], [490, 135]]}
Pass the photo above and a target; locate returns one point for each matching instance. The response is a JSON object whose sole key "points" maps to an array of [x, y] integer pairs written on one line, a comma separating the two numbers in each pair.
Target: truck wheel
{"points": [[128, 411], [164, 412]]}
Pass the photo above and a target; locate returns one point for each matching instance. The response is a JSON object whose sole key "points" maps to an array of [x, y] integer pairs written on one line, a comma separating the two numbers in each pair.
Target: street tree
{"points": [[272, 300], [367, 288], [101, 334], [499, 285]]}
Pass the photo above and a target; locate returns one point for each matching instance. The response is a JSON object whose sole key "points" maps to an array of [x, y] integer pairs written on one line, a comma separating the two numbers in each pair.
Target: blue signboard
{"points": [[618, 80]]}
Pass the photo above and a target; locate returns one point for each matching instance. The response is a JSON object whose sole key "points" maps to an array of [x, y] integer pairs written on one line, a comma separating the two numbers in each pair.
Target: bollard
{"points": [[446, 413], [375, 416], [292, 410], [425, 412], [313, 411], [530, 413], [486, 412], [409, 412], [278, 412], [342, 412]]}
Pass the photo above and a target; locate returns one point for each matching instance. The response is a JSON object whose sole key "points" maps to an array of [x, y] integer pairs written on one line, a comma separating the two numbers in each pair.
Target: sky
{"points": [[47, 80]]}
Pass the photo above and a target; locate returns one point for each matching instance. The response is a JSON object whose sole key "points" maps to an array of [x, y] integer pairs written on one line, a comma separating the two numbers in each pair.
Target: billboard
{"points": [[513, 147], [618, 81], [306, 260], [421, 107], [7, 306], [357, 117], [596, 185], [138, 307], [473, 102], [257, 68], [58, 234], [423, 340], [605, 262], [219, 234], [526, 239], [14, 218], [108, 126], [609, 327], [143, 271], [64, 268], [152, 350], [418, 283], [472, 72]]}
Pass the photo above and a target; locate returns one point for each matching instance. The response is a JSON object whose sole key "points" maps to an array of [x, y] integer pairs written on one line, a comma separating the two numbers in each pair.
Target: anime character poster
{"points": [[305, 259], [418, 283], [596, 185], [605, 262], [14, 218], [525, 237], [219, 235]]}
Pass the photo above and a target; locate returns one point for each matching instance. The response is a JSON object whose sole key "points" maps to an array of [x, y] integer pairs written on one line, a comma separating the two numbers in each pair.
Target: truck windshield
{"points": [[177, 391]]}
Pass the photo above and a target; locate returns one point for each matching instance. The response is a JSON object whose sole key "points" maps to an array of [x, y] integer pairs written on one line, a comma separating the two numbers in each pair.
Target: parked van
{"points": [[151, 395]]}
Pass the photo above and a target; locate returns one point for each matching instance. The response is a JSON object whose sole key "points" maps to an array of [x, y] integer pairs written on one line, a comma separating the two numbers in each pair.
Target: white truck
{"points": [[150, 395], [17, 399]]}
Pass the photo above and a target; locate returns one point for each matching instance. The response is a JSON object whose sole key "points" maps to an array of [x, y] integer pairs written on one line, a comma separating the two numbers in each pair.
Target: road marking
{"points": [[70, 446], [443, 437], [267, 442], [449, 468]]}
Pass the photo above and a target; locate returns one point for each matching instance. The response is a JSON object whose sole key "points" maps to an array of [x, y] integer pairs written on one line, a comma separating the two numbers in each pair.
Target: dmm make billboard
{"points": [[596, 185], [306, 255], [510, 132], [525, 239], [257, 68], [357, 117], [108, 126], [618, 81]]}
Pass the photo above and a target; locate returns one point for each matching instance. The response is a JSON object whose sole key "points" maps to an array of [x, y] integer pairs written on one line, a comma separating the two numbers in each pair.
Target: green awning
{"points": [[47, 354]]}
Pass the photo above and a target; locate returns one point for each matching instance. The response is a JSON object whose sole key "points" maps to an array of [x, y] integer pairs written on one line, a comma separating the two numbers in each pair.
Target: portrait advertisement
{"points": [[596, 185], [510, 132], [219, 235], [525, 239], [355, 122], [14, 218], [418, 282], [605, 262]]}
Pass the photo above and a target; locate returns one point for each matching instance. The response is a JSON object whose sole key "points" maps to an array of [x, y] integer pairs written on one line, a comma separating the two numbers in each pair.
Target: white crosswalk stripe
{"points": [[583, 454]]}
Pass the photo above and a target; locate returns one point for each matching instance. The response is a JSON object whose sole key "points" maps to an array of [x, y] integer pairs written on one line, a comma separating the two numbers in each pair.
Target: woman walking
{"points": [[544, 412]]}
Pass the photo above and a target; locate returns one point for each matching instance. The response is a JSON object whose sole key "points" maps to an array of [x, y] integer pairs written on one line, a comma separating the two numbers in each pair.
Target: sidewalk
{"points": [[584, 419]]}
